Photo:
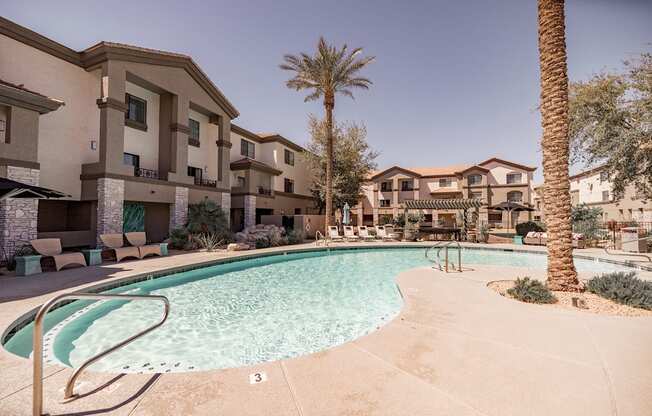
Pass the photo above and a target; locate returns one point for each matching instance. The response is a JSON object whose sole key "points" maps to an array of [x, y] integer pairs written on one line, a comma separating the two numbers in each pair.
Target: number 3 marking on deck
{"points": [[256, 378]]}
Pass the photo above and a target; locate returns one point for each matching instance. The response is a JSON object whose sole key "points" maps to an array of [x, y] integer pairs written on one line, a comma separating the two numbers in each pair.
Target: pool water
{"points": [[247, 312]]}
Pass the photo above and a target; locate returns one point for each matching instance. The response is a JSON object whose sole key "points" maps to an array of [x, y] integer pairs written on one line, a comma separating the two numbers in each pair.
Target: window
{"points": [[136, 115], [385, 186], [241, 181], [514, 178], [193, 137], [604, 176], [474, 179], [247, 149], [406, 186], [288, 185], [289, 157], [605, 196], [297, 211], [445, 183], [515, 196], [476, 195], [4, 124], [130, 159], [195, 172], [384, 202]]}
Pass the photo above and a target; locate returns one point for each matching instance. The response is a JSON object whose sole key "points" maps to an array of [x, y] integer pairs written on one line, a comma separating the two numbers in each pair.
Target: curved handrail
{"points": [[323, 238], [443, 245], [606, 249], [37, 405]]}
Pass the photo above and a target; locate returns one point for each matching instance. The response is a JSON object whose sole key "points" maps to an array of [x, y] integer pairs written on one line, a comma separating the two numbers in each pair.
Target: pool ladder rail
{"points": [[320, 237], [612, 246], [37, 396], [437, 260]]}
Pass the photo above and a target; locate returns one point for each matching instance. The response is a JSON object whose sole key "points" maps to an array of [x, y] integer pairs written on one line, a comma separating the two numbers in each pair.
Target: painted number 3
{"points": [[256, 378]]}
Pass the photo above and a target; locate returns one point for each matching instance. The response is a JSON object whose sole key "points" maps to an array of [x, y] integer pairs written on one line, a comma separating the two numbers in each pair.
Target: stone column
{"points": [[249, 210], [375, 213], [179, 209], [395, 197], [18, 217], [226, 205], [110, 206]]}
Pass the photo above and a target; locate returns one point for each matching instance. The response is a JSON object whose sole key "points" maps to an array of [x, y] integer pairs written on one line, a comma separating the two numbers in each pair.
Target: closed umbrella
{"points": [[346, 217]]}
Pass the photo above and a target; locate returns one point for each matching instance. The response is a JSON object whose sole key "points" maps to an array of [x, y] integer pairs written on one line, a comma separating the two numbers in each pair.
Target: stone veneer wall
{"points": [[226, 205], [110, 206], [18, 217], [249, 211], [179, 209]]}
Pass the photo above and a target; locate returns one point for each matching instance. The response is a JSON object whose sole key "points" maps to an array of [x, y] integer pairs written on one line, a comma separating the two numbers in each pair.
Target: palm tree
{"points": [[555, 146], [328, 72]]}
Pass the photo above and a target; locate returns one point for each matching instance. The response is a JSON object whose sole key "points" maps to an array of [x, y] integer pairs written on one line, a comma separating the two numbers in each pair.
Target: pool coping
{"points": [[27, 317]]}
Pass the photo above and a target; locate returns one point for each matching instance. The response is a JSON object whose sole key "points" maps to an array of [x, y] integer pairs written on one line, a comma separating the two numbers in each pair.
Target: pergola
{"points": [[456, 204]]}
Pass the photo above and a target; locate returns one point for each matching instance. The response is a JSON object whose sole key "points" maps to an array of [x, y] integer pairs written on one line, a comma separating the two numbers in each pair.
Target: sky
{"points": [[454, 82]]}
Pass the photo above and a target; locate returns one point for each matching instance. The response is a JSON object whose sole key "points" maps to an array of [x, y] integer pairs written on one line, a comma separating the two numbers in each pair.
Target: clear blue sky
{"points": [[454, 81]]}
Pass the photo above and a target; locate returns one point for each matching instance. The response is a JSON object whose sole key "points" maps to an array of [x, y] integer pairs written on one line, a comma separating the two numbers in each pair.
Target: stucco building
{"points": [[493, 181]]}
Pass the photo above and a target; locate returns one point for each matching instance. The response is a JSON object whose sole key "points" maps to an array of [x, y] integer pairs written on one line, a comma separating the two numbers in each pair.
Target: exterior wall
{"points": [[249, 210], [66, 133], [18, 217], [204, 156], [144, 143], [590, 189], [21, 136], [179, 209]]}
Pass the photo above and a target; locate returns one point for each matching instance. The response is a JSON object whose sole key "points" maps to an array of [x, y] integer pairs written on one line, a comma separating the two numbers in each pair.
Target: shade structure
{"points": [[442, 203], [511, 206], [13, 189]]}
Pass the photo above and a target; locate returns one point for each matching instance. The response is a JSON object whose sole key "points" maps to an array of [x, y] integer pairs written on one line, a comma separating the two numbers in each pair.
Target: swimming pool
{"points": [[249, 311]]}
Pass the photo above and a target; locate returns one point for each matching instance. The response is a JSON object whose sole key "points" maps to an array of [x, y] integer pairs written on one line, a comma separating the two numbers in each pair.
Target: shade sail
{"points": [[13, 189], [442, 203], [511, 206]]}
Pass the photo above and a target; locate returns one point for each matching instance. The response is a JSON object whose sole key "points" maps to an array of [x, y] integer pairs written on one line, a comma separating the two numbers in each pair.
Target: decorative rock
{"points": [[237, 247]]}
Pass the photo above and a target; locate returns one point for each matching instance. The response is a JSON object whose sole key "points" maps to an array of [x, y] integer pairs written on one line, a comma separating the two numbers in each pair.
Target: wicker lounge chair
{"points": [[333, 234], [139, 239], [115, 242], [349, 234], [363, 233], [51, 247]]}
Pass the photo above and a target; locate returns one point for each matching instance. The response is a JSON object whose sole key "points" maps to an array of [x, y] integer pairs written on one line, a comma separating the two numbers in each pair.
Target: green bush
{"points": [[207, 217], [525, 227], [180, 239], [262, 242], [531, 291], [624, 288], [296, 236], [24, 250]]}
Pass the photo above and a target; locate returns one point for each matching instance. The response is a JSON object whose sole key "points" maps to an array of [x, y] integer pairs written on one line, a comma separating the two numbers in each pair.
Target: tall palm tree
{"points": [[555, 145], [328, 72]]}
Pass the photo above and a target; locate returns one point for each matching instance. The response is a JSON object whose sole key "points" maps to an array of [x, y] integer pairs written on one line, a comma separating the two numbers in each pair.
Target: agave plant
{"points": [[208, 241]]}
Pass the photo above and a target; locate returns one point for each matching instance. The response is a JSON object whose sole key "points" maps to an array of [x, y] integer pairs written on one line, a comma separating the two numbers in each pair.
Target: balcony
{"points": [[146, 173], [211, 183], [264, 191]]}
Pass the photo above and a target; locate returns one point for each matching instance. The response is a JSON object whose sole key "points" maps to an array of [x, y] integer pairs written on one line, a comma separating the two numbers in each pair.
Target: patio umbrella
{"points": [[13, 189], [511, 207], [346, 216]]}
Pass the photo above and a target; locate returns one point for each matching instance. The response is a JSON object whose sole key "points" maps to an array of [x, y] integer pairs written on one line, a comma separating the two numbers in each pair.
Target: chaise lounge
{"points": [[115, 243], [349, 234], [363, 233], [51, 247], [333, 234], [139, 240]]}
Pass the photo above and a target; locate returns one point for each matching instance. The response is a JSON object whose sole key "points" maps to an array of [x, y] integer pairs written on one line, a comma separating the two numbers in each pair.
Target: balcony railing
{"points": [[206, 182], [264, 191], [146, 173]]}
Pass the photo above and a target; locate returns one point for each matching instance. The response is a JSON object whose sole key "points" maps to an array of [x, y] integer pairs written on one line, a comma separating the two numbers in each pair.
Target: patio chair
{"points": [[51, 247], [384, 232], [578, 240], [333, 234], [139, 239], [115, 243], [349, 234], [533, 238], [363, 233]]}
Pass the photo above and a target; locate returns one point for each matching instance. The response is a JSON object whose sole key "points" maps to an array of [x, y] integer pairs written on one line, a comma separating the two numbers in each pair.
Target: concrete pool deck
{"points": [[456, 348]]}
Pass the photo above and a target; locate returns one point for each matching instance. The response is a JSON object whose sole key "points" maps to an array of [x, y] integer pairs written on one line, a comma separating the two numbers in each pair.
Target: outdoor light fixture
{"points": [[93, 144]]}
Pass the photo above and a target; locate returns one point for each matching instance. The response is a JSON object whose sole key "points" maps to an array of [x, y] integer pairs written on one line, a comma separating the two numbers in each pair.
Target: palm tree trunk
{"points": [[555, 146], [329, 104]]}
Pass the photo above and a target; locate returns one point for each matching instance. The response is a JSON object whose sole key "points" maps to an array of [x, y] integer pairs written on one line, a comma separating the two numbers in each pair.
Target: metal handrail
{"points": [[37, 404], [444, 245], [318, 234], [606, 249]]}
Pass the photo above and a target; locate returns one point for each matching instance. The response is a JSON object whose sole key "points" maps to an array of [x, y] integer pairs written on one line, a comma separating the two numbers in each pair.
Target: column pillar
{"points": [[375, 213], [395, 197], [249, 211], [225, 203], [223, 150], [179, 131], [18, 217], [179, 209], [110, 206]]}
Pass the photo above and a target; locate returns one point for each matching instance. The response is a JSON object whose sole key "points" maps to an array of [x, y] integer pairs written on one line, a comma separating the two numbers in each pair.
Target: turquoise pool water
{"points": [[248, 311]]}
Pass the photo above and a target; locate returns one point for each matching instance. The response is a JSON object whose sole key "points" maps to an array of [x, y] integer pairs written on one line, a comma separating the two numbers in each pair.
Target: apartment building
{"points": [[593, 188], [493, 181], [132, 135], [269, 177]]}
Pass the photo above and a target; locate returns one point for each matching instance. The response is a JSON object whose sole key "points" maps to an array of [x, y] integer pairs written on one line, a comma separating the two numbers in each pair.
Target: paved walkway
{"points": [[457, 348]]}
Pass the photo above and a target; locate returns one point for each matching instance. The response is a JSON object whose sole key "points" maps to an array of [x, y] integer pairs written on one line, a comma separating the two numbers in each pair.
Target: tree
{"points": [[328, 72], [353, 160], [555, 146], [611, 124]]}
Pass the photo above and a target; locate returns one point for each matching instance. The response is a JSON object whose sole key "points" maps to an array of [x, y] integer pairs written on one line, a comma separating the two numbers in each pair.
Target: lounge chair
{"points": [[333, 234], [349, 234], [363, 233], [115, 242], [532, 238], [51, 247], [578, 240], [384, 232], [139, 239]]}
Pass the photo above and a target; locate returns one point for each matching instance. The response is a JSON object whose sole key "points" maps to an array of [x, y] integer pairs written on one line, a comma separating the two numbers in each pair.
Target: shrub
{"points": [[531, 291], [275, 237], [180, 239], [208, 217], [296, 236], [24, 250], [525, 227], [624, 288], [208, 241], [262, 242]]}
